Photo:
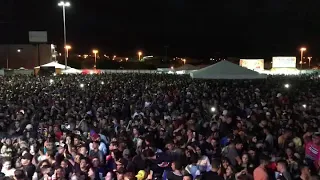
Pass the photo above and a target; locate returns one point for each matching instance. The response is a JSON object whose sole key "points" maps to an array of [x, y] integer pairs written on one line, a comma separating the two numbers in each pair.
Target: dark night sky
{"points": [[242, 28]]}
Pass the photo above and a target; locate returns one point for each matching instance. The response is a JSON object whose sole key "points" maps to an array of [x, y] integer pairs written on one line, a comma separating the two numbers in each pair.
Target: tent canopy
{"points": [[226, 70], [186, 67], [53, 64], [71, 71]]}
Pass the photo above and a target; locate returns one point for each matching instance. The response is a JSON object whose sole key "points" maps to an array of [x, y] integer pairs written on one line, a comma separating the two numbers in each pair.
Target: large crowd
{"points": [[152, 127]]}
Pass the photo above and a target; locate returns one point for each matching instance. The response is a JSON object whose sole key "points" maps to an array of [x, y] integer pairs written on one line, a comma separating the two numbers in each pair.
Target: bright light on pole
{"points": [[213, 109], [64, 4], [51, 81], [102, 82], [139, 54], [287, 85], [304, 106], [67, 47], [309, 58], [301, 60], [95, 57], [81, 85]]}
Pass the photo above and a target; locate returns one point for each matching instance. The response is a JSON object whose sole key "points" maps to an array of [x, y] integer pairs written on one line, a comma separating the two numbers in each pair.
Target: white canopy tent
{"points": [[53, 64], [71, 71], [226, 70]]}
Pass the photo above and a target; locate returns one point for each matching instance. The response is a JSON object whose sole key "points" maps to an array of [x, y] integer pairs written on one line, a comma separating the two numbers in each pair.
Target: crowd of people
{"points": [[152, 127]]}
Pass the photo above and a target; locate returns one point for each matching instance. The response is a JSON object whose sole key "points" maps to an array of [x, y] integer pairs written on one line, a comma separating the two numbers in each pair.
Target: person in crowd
{"points": [[213, 174], [260, 173], [282, 169]]}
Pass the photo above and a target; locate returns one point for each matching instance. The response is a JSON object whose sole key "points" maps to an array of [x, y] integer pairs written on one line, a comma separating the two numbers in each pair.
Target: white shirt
{"points": [[9, 172]]}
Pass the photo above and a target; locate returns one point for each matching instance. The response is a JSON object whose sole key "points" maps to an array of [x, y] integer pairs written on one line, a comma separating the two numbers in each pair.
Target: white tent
{"points": [[71, 71], [226, 70], [53, 64]]}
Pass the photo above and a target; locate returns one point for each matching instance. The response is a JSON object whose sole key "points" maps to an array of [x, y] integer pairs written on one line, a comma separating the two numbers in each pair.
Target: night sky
{"points": [[240, 28]]}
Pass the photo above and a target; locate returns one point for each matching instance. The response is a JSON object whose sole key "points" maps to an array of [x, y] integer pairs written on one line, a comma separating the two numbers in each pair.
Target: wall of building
{"points": [[24, 55]]}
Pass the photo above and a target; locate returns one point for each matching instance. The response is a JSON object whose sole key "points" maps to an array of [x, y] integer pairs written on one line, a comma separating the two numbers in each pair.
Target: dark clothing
{"points": [[211, 175], [173, 176], [29, 169]]}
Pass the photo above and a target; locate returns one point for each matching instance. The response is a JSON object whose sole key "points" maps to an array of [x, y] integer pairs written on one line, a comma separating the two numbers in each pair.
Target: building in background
{"points": [[252, 64], [14, 56]]}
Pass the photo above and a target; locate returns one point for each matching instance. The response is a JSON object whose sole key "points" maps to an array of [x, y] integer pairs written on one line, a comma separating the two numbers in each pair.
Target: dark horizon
{"points": [[231, 29]]}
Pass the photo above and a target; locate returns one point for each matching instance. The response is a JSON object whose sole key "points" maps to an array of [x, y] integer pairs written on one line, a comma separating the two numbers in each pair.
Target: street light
{"points": [[95, 57], [302, 50], [139, 54], [184, 61], [67, 47], [64, 4], [309, 58]]}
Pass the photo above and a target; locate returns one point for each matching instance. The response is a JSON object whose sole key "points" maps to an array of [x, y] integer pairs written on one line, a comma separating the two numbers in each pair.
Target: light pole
{"points": [[139, 54], [302, 50], [95, 57], [68, 47], [64, 4], [309, 58]]}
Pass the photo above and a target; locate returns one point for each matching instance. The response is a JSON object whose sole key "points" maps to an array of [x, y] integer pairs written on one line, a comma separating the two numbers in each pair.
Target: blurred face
{"points": [[316, 140], [83, 163], [225, 164], [77, 159], [229, 171], [49, 146], [279, 167], [305, 171], [170, 146], [95, 162], [64, 164], [76, 141], [254, 139], [252, 153], [135, 132], [173, 166], [109, 176], [25, 162], [289, 152], [239, 146], [17, 124], [113, 147], [198, 150], [59, 173], [186, 178], [245, 158], [55, 129], [83, 151]]}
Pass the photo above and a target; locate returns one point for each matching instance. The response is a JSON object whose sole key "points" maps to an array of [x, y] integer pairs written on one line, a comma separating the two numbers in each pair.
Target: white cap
{"points": [[225, 112], [29, 126]]}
